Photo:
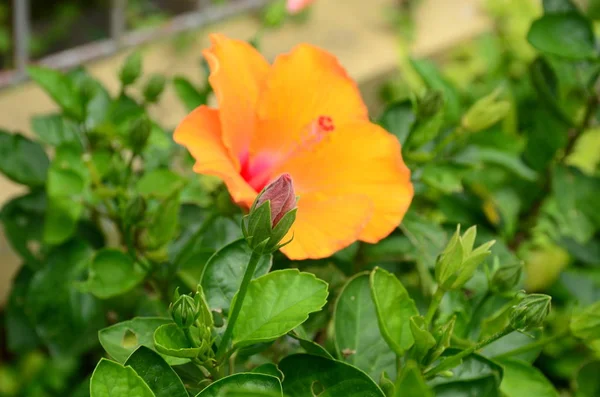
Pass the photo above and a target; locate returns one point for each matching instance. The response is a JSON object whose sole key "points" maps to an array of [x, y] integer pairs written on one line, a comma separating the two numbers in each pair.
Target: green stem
{"points": [[190, 338], [455, 360], [434, 305], [535, 345], [239, 300]]}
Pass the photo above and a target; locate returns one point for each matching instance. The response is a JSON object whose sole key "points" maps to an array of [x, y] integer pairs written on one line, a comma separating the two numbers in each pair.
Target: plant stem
{"points": [[535, 345], [453, 361], [434, 305], [190, 338], [237, 307]]}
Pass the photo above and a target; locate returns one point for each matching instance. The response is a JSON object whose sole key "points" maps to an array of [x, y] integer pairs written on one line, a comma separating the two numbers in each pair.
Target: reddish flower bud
{"points": [[281, 195]]}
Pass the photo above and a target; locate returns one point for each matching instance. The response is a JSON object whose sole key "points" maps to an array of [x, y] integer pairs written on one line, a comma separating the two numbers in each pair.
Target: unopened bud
{"points": [[139, 134], [485, 112], [154, 87], [271, 215], [459, 260], [506, 277], [585, 324], [131, 70], [184, 311], [530, 312]]}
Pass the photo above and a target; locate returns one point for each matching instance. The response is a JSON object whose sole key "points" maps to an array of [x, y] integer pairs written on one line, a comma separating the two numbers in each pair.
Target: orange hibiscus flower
{"points": [[303, 116]]}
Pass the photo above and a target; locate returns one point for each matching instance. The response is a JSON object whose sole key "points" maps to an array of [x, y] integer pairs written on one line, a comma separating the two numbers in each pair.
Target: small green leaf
{"points": [[398, 118], [411, 382], [394, 310], [132, 69], [157, 374], [61, 88], [122, 339], [159, 183], [243, 382], [188, 94], [169, 339], [357, 336], [111, 379], [55, 130], [569, 35], [224, 271], [276, 303], [424, 341], [22, 160], [521, 379], [112, 273], [306, 375]]}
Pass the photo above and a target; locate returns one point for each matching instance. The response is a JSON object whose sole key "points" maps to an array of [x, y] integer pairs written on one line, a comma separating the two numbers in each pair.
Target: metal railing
{"points": [[120, 37]]}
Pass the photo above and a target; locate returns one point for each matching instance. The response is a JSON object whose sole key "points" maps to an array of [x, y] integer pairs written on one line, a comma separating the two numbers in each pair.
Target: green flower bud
{"points": [[506, 277], [271, 216], [428, 106], [139, 133], [530, 312], [485, 112], [585, 324], [459, 260], [154, 87], [131, 70], [184, 311]]}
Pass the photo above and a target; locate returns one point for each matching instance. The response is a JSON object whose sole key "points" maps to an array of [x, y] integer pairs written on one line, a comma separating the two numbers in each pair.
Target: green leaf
{"points": [[569, 35], [188, 94], [521, 379], [269, 369], [475, 376], [473, 155], [163, 226], [23, 221], [558, 6], [19, 329], [276, 303], [306, 375], [132, 69], [22, 160], [243, 382], [111, 379], [159, 183], [157, 374], [55, 130], [394, 309], [411, 382], [587, 381], [65, 319], [65, 194], [310, 346], [398, 118], [169, 339], [60, 88], [112, 273], [122, 339], [356, 333], [224, 271], [424, 341]]}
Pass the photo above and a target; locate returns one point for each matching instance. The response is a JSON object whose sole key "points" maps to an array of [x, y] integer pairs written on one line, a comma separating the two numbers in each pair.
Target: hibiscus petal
{"points": [[303, 86], [200, 133], [326, 224], [362, 159], [237, 72]]}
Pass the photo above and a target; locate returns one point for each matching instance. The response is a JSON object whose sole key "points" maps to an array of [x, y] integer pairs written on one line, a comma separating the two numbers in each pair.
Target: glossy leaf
{"points": [[475, 376], [394, 309], [157, 374], [569, 35], [310, 346], [306, 375], [22, 160], [111, 379], [357, 337], [112, 273], [122, 339], [277, 303], [243, 382], [521, 379], [269, 369], [224, 271]]}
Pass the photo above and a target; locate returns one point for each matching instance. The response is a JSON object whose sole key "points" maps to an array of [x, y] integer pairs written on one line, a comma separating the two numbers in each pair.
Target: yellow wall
{"points": [[356, 31]]}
